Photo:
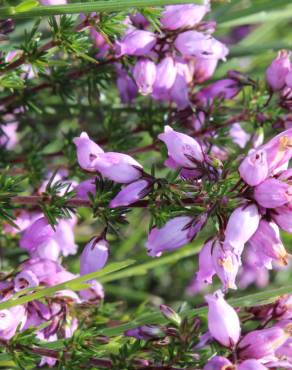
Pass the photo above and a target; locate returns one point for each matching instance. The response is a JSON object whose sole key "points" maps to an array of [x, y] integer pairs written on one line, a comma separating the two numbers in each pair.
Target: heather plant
{"points": [[145, 185]]}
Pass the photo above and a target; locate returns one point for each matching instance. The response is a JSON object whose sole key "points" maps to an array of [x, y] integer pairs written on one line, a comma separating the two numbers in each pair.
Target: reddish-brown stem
{"points": [[34, 200]]}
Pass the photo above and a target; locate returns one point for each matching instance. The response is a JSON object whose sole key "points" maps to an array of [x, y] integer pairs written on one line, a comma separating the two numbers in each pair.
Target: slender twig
{"points": [[35, 200]]}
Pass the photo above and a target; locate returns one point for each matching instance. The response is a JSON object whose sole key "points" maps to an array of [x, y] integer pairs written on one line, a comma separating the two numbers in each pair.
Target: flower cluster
{"points": [[220, 175], [171, 62]]}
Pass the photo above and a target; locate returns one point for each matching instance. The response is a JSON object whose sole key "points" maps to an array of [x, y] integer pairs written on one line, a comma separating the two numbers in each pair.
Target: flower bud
{"points": [[145, 332], [87, 151], [183, 16], [170, 314], [94, 256], [272, 193], [181, 148], [278, 70], [242, 224], [145, 74], [223, 322], [174, 234], [254, 168], [118, 167], [131, 194], [136, 42]]}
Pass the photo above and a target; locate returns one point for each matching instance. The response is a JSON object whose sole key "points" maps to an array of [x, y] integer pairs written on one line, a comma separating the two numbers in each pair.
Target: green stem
{"points": [[96, 6]]}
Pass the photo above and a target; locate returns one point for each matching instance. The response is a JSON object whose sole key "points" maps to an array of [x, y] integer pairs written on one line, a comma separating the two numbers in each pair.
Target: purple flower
{"points": [[288, 79], [179, 93], [145, 332], [283, 217], [43, 242], [183, 16], [193, 43], [42, 268], [85, 187], [94, 256], [87, 151], [39, 232], [136, 42], [223, 322], [206, 267], [174, 234], [279, 151], [267, 241], [94, 293], [226, 264], [238, 135], [165, 77], [254, 168], [24, 280], [253, 270], [59, 278], [10, 320], [222, 89], [145, 74], [131, 193], [118, 167], [204, 69], [262, 344], [127, 87], [217, 363], [139, 20], [8, 135], [251, 365], [278, 70], [181, 148], [272, 193], [242, 224]]}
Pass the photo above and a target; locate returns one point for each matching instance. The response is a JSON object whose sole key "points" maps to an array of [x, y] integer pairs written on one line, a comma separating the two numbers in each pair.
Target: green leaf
{"points": [[26, 5], [95, 6], [74, 284], [256, 299], [154, 263]]}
